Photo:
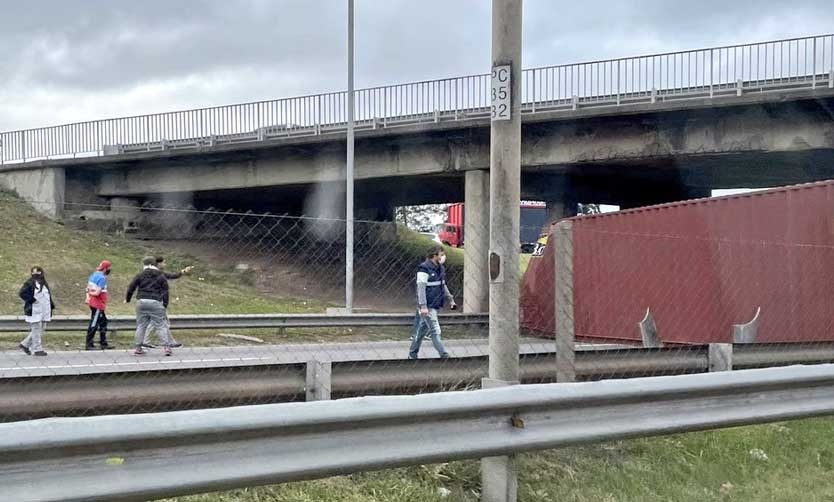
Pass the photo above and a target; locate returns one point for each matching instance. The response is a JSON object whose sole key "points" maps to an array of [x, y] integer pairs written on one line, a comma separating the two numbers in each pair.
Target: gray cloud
{"points": [[70, 60]]}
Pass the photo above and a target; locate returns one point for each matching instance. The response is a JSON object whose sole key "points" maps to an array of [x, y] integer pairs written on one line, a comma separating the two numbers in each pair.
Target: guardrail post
{"points": [[648, 331], [563, 304], [654, 94], [574, 102], [831, 79], [720, 357], [318, 382], [739, 87], [746, 333]]}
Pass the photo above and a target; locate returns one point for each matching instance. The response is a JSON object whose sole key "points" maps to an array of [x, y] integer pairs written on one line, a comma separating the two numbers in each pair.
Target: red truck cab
{"points": [[452, 232], [533, 217]]}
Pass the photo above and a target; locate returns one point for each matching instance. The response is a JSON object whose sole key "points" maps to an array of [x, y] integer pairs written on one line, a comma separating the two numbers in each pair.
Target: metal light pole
{"points": [[498, 474], [349, 171]]}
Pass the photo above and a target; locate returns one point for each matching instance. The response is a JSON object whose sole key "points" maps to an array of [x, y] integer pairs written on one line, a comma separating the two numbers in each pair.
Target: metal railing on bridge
{"points": [[714, 72]]}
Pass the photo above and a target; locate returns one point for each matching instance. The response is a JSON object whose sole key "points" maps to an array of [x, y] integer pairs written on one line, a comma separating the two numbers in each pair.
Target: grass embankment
{"points": [[777, 462], [70, 255]]}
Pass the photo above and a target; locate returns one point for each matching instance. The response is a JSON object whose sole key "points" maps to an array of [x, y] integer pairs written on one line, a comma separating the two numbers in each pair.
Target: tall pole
{"points": [[349, 171], [498, 474]]}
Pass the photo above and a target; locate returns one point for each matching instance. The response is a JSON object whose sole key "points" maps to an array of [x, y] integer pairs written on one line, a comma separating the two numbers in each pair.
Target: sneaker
{"points": [[167, 351], [107, 346], [90, 347], [444, 356], [176, 345], [148, 346], [25, 349], [139, 351], [39, 353]]}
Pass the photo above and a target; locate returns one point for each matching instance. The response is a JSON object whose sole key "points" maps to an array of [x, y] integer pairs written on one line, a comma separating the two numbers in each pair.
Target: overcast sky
{"points": [[71, 60]]}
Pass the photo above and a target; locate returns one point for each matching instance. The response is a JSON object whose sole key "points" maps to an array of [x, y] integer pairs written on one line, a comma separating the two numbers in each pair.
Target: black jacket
{"points": [[27, 294], [152, 285]]}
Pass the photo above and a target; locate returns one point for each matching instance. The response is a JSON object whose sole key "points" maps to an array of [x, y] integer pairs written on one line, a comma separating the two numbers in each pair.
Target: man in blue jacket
{"points": [[432, 295]]}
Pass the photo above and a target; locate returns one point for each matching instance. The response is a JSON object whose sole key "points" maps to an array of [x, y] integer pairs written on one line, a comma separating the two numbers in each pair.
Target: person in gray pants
{"points": [[160, 264], [151, 288]]}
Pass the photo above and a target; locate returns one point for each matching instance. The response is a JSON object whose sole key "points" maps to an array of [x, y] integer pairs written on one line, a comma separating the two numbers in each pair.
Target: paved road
{"points": [[16, 364]]}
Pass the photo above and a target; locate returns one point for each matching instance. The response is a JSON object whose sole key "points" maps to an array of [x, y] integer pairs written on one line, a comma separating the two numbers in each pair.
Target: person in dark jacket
{"points": [[432, 295], [151, 288], [37, 307], [160, 264]]}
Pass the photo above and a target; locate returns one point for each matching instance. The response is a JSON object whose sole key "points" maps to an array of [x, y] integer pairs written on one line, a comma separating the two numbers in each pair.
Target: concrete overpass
{"points": [[628, 131]]}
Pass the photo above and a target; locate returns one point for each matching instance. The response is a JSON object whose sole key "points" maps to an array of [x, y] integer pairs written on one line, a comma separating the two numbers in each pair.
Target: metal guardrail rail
{"points": [[798, 63], [242, 321], [140, 457], [171, 387]]}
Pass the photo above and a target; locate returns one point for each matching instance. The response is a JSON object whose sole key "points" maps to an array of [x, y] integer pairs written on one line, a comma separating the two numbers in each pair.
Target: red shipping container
{"points": [[700, 266]]}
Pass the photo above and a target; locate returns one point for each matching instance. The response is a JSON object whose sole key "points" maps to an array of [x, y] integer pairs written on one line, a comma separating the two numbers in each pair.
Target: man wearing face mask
{"points": [[97, 301], [432, 294]]}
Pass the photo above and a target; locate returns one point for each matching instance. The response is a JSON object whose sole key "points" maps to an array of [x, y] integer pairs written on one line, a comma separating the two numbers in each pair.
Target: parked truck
{"points": [[533, 217], [699, 267]]}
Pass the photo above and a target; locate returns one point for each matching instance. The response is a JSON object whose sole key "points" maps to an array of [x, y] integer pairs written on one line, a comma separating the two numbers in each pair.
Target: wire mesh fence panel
{"points": [[260, 317], [275, 283]]}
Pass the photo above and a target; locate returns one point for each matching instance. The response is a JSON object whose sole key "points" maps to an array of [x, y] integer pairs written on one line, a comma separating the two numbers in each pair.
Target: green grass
{"points": [[410, 243], [69, 256], [697, 467]]}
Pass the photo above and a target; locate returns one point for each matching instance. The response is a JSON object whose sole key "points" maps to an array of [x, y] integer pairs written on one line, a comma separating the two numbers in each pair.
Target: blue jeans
{"points": [[423, 326]]}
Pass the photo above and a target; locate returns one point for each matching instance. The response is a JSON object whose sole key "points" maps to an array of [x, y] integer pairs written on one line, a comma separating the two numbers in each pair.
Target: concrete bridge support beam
{"points": [[476, 242], [43, 188]]}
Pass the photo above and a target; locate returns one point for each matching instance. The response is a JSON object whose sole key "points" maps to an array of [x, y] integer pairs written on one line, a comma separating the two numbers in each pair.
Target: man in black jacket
{"points": [[160, 264], [152, 300]]}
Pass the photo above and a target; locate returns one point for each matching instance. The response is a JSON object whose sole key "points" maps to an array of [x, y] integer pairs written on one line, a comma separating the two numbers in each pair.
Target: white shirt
{"points": [[42, 308]]}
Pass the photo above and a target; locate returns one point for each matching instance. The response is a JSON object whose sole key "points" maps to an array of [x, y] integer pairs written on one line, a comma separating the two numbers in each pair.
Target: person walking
{"points": [[97, 301], [160, 264], [151, 288], [37, 307], [432, 295]]}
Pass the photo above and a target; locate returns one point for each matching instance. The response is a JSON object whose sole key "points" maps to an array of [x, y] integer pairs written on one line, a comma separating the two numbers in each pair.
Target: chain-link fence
{"points": [[260, 318]]}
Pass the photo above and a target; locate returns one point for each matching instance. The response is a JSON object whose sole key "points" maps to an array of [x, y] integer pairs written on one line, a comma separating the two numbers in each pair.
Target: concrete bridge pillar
{"points": [[43, 188], [476, 242], [560, 208]]}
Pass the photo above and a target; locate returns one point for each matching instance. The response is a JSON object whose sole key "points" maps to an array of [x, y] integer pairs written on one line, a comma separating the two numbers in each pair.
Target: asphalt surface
{"points": [[17, 364]]}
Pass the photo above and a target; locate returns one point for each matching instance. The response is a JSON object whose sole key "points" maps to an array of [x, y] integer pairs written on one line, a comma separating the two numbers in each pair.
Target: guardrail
{"points": [[140, 456], [713, 72], [195, 383], [243, 321]]}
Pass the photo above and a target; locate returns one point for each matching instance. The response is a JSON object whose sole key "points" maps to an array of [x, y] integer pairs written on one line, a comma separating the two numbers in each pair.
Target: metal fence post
{"points": [[831, 79], [318, 382], [720, 357], [739, 87], [563, 302], [814, 65], [533, 76], [711, 72]]}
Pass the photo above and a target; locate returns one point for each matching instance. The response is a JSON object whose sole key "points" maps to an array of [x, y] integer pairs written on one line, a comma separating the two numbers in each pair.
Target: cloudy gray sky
{"points": [[71, 60]]}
